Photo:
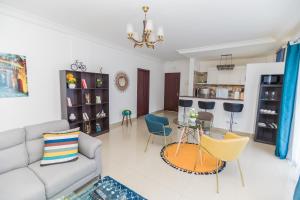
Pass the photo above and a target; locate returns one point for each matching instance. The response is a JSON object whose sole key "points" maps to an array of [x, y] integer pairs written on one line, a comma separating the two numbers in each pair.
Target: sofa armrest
{"points": [[88, 145]]}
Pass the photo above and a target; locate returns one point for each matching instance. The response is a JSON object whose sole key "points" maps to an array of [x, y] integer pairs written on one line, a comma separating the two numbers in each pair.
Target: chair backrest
{"points": [[205, 116], [206, 105], [153, 124], [34, 137], [13, 153], [233, 107], [185, 103], [227, 149]]}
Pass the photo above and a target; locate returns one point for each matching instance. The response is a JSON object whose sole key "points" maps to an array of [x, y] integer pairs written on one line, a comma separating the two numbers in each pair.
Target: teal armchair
{"points": [[157, 126]]}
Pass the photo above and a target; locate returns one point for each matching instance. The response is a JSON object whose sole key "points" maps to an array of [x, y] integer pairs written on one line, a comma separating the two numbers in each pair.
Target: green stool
{"points": [[126, 115]]}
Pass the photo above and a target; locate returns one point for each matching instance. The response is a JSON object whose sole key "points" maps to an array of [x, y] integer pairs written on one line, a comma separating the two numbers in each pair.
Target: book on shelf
{"points": [[83, 83], [69, 101]]}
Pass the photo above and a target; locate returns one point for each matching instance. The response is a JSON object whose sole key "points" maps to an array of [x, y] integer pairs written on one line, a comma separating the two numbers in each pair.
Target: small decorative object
{"points": [[85, 116], [121, 81], [99, 82], [100, 70], [78, 65], [72, 117], [266, 94], [13, 76], [69, 101], [100, 115], [71, 80], [273, 95], [87, 127], [126, 116], [87, 98], [103, 114], [98, 100], [83, 83], [98, 128]]}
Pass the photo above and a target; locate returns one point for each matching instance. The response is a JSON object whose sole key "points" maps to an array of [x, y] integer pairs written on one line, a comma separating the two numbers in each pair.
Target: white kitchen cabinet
{"points": [[234, 77]]}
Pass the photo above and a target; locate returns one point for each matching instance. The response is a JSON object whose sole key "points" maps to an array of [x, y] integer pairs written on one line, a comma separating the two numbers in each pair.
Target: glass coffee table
{"points": [[106, 188]]}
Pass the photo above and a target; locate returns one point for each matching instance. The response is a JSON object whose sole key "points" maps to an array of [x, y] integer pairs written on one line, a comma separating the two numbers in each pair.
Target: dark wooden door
{"points": [[143, 79], [172, 87]]}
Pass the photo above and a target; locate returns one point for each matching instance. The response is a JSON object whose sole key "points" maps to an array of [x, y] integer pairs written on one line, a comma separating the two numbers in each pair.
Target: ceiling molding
{"points": [[45, 23], [244, 43]]}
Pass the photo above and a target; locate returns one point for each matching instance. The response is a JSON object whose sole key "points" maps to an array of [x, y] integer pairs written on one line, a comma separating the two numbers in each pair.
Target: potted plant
{"points": [[193, 115], [71, 80]]}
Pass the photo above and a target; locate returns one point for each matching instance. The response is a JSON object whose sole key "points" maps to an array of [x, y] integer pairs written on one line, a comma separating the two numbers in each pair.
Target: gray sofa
{"points": [[22, 177]]}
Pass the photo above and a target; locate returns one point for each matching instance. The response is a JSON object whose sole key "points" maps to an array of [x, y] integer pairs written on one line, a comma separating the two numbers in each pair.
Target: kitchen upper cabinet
{"points": [[233, 77]]}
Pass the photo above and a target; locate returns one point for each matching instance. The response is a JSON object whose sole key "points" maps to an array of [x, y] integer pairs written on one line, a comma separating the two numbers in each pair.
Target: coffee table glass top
{"points": [[105, 189]]}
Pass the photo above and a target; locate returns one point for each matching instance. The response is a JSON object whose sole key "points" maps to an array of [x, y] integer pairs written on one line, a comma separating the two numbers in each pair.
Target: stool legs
{"points": [[123, 120], [127, 118], [231, 121]]}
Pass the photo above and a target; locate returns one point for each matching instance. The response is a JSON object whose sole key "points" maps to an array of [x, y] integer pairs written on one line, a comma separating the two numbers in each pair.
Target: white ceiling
{"points": [[187, 23]]}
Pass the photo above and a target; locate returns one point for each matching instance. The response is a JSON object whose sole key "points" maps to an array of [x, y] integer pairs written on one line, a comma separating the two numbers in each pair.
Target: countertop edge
{"points": [[212, 98]]}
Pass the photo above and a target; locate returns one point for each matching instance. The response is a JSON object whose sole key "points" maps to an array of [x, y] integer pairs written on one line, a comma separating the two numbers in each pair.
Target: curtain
{"points": [[288, 100], [294, 145]]}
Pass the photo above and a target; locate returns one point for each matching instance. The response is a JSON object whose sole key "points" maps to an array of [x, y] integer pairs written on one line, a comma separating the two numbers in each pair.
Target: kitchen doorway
{"points": [[143, 83], [172, 89]]}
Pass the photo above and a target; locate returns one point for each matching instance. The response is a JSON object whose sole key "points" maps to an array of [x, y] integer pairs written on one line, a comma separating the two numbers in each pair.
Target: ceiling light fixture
{"points": [[147, 35]]}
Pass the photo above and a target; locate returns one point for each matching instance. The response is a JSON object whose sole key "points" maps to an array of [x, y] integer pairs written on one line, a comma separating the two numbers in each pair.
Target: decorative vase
{"points": [[99, 82], [72, 85], [72, 117]]}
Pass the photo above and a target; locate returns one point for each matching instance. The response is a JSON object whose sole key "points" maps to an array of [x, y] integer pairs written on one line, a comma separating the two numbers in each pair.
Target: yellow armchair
{"points": [[228, 149]]}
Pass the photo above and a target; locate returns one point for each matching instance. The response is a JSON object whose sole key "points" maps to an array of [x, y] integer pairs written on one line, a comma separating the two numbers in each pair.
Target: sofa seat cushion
{"points": [[22, 184], [58, 177]]}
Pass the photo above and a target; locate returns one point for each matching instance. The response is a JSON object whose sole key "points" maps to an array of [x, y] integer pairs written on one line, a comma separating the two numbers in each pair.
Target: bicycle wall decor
{"points": [[78, 66]]}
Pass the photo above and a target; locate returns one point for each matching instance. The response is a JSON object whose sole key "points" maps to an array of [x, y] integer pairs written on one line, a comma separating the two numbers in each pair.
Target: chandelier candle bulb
{"points": [[129, 29], [160, 32], [149, 26]]}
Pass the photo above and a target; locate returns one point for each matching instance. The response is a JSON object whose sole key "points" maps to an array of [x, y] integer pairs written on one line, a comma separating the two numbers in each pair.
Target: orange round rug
{"points": [[186, 157]]}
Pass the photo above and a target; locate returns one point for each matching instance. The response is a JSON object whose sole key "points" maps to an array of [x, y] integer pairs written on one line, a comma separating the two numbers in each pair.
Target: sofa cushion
{"points": [[56, 178], [60, 147], [21, 184], [13, 152], [34, 137]]}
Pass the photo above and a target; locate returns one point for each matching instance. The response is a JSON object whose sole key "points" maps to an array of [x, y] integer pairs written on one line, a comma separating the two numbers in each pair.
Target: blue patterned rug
{"points": [[108, 189]]}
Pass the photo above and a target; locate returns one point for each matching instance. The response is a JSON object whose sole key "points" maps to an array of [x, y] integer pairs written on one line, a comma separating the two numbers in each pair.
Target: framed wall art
{"points": [[13, 76]]}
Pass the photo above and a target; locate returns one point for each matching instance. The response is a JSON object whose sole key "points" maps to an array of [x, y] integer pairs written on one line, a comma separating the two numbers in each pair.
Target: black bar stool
{"points": [[232, 108], [206, 105], [185, 104]]}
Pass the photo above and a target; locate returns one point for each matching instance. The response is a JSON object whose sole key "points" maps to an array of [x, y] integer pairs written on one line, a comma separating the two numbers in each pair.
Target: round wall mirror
{"points": [[121, 81]]}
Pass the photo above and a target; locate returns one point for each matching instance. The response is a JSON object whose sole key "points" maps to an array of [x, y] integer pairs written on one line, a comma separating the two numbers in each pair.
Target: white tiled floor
{"points": [[266, 177]]}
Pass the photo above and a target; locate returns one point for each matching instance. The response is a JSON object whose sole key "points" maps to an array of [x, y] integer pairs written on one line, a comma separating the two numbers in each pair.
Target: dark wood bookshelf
{"points": [[79, 104], [269, 99]]}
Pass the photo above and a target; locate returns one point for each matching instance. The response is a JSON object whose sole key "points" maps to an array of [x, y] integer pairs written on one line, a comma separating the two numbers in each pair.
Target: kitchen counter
{"points": [[221, 117], [204, 97]]}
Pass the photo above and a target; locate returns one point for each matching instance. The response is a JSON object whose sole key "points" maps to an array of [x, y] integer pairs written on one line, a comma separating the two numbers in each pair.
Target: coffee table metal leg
{"points": [[180, 140]]}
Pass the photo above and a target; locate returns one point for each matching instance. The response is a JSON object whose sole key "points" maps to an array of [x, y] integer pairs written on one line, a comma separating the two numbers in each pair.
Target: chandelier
{"points": [[147, 36]]}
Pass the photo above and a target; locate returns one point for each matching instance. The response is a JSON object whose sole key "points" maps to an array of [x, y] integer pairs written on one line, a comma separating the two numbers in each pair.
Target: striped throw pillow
{"points": [[60, 147]]}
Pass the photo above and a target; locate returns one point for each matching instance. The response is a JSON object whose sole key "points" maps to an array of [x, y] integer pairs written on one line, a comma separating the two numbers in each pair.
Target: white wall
{"points": [[50, 50], [253, 73], [181, 66]]}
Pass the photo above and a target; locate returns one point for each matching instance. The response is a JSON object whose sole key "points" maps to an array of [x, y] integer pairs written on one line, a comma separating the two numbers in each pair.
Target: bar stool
{"points": [[232, 108], [185, 104], [206, 105]]}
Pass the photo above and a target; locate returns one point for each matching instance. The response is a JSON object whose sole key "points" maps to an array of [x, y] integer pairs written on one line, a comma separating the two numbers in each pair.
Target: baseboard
{"points": [[117, 124]]}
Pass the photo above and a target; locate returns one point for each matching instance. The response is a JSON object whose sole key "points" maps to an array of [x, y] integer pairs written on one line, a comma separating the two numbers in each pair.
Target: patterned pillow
{"points": [[60, 147]]}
